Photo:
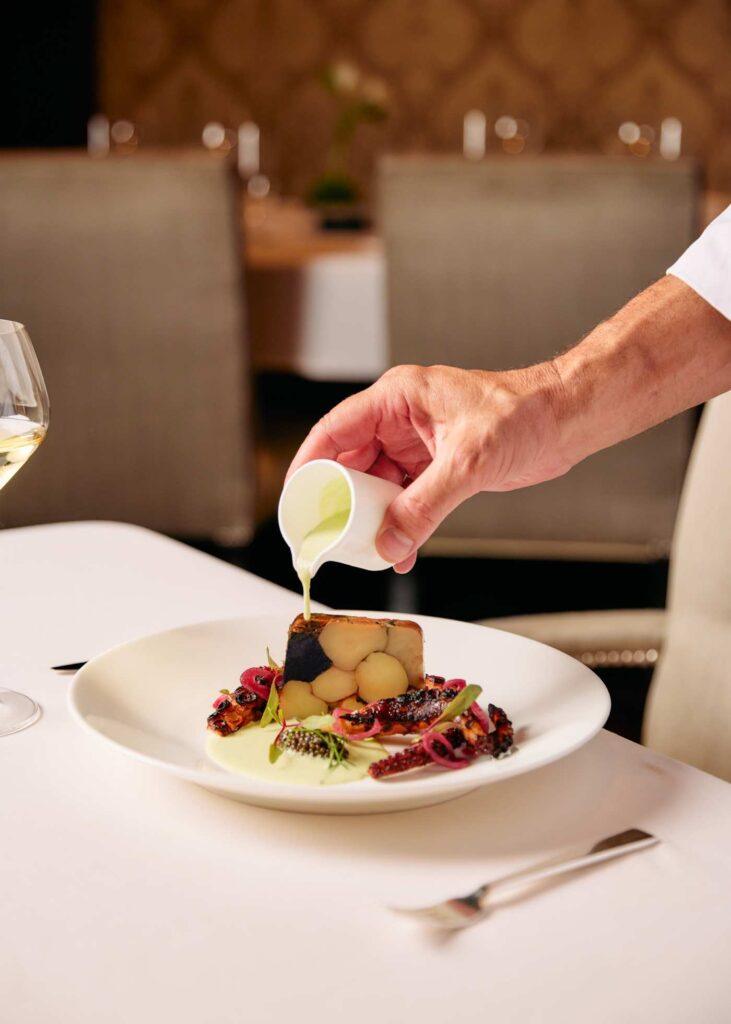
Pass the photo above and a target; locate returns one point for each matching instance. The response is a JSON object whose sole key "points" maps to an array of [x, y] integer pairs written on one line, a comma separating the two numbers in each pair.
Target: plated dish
{"points": [[350, 688], [150, 699]]}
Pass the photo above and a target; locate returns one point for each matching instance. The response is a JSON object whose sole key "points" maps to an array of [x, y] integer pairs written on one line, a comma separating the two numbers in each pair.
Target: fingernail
{"points": [[393, 545]]}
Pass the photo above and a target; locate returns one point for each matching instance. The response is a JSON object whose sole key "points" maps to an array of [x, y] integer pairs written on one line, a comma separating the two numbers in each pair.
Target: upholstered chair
{"points": [[127, 273], [506, 261], [688, 713]]}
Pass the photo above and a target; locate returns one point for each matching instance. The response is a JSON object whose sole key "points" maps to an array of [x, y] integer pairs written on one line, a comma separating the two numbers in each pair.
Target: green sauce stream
{"points": [[335, 512]]}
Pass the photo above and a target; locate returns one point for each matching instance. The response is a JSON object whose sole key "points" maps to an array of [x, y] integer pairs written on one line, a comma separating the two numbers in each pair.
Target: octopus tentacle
{"points": [[412, 712], [239, 709], [466, 740]]}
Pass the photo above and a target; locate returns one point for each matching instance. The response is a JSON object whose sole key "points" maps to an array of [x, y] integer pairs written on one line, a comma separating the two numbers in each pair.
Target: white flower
{"points": [[345, 76]]}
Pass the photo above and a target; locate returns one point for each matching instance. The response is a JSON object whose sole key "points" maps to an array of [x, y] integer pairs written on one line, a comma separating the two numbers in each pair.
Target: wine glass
{"points": [[23, 425]]}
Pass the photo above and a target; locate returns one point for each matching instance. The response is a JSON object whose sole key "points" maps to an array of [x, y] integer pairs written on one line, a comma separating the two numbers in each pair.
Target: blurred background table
{"points": [[316, 298]]}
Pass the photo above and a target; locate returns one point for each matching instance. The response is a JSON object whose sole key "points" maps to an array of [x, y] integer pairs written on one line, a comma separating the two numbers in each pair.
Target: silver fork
{"points": [[463, 911]]}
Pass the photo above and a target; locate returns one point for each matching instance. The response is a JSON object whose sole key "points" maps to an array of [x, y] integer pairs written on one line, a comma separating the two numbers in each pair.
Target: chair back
{"points": [[689, 708], [127, 273], [505, 262]]}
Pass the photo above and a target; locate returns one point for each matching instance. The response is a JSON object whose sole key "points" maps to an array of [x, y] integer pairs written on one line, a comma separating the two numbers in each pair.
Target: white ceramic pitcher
{"points": [[301, 510]]}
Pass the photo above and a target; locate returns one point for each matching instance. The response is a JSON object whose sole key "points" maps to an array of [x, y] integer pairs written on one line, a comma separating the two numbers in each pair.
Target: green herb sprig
{"points": [[273, 710], [318, 743], [464, 699], [335, 749]]}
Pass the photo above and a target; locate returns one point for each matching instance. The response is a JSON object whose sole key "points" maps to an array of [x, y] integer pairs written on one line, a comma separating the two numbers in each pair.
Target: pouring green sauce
{"points": [[335, 513]]}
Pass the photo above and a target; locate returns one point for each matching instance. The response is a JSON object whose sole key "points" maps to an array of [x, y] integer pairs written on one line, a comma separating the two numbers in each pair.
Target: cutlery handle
{"points": [[607, 849]]}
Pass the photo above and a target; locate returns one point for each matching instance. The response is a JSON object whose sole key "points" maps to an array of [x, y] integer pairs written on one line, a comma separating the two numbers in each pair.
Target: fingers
{"points": [[388, 469], [407, 565], [350, 426], [362, 458], [420, 508]]}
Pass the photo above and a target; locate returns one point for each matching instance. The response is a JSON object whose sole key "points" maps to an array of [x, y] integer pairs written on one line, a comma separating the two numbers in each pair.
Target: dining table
{"points": [[129, 895], [316, 299]]}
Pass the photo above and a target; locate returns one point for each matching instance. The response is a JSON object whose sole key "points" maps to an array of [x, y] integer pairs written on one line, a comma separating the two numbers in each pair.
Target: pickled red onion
{"points": [[455, 684], [484, 720], [337, 728], [250, 681], [428, 740]]}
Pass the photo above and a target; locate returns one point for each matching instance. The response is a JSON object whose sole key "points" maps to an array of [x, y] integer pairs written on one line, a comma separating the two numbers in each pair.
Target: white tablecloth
{"points": [[323, 317], [127, 896]]}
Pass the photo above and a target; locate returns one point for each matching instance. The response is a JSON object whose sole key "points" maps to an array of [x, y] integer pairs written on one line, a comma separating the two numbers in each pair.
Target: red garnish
{"points": [[337, 728], [258, 680], [428, 741], [484, 720], [279, 734]]}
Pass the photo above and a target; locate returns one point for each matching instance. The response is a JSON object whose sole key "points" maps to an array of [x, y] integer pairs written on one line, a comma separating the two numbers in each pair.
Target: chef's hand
{"points": [[446, 434]]}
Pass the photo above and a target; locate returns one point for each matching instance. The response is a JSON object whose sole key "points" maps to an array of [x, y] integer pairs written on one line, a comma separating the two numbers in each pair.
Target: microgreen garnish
{"points": [[272, 663], [272, 711], [312, 742], [464, 699], [337, 749]]}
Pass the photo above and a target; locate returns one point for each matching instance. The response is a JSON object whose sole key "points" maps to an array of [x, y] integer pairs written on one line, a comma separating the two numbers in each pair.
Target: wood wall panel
{"points": [[575, 68]]}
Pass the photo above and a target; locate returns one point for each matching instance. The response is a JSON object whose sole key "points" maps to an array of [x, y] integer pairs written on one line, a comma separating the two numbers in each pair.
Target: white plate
{"points": [[150, 698]]}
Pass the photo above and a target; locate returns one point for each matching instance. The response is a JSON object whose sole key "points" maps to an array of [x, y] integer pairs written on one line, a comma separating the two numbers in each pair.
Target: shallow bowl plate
{"points": [[150, 698]]}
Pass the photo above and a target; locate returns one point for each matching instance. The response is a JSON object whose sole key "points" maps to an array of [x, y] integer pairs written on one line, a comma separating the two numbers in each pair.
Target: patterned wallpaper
{"points": [[573, 68]]}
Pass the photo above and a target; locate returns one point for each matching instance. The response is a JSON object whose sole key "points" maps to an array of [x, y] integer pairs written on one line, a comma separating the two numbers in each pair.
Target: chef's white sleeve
{"points": [[706, 265]]}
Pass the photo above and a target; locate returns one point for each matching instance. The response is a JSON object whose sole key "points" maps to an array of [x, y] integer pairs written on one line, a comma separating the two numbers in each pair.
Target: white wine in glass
{"points": [[23, 425]]}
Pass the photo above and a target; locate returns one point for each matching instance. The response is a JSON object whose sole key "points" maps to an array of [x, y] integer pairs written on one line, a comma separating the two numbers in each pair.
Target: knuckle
{"points": [[418, 511], [323, 422], [505, 402], [404, 374], [325, 427], [391, 374], [468, 461]]}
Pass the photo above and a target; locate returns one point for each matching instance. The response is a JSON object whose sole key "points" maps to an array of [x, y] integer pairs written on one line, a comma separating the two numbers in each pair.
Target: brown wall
{"points": [[576, 68]]}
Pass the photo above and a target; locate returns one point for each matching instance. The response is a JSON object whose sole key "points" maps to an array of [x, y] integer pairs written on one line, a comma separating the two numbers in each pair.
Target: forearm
{"points": [[665, 351], [450, 433]]}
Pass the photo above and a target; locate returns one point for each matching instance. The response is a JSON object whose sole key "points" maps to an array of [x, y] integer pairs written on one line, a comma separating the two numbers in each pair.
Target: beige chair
{"points": [[505, 262], [127, 273], [688, 714]]}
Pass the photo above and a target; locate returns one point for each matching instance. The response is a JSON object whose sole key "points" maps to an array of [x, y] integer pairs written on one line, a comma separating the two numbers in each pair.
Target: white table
{"points": [[317, 306], [127, 896]]}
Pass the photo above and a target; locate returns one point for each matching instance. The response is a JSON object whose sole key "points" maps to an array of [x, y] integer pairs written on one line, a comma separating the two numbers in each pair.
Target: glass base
{"points": [[16, 712]]}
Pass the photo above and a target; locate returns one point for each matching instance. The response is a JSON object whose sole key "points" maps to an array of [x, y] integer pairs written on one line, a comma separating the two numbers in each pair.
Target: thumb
{"points": [[416, 513]]}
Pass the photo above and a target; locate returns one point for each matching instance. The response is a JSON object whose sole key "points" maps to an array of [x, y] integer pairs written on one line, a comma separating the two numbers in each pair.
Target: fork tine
{"points": [[453, 914], [412, 911]]}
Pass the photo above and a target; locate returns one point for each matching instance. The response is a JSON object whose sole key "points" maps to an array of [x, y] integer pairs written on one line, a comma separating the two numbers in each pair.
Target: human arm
{"points": [[449, 433], [665, 351]]}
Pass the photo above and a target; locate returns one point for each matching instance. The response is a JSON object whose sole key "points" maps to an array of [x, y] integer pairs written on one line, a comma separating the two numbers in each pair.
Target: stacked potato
{"points": [[345, 661]]}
